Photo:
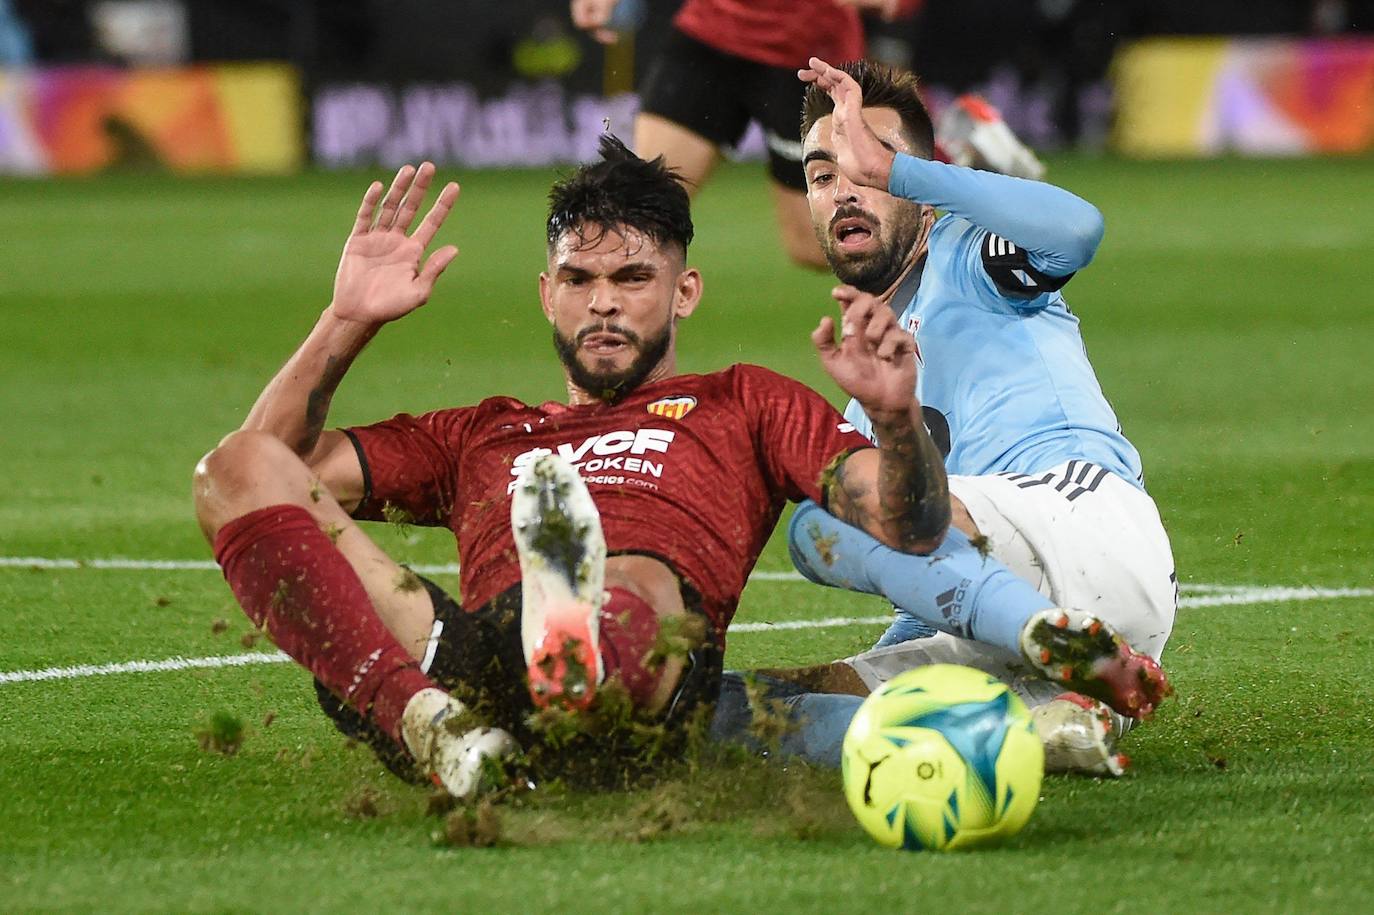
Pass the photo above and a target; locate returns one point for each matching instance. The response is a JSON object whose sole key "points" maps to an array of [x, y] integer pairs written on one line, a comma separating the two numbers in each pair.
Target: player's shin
{"points": [[291, 580], [827, 551]]}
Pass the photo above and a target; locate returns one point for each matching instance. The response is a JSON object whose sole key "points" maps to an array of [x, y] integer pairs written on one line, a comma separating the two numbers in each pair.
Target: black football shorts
{"points": [[715, 95]]}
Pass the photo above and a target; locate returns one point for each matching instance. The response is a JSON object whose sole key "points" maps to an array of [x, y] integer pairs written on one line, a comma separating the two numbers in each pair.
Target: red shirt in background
{"points": [[779, 33]]}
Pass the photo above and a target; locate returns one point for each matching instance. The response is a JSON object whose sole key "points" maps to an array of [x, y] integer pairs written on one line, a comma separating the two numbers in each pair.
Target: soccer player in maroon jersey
{"points": [[647, 496]]}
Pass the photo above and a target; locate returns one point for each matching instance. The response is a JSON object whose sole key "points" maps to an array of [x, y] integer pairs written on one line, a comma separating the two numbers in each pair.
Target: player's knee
{"points": [[239, 458], [233, 468]]}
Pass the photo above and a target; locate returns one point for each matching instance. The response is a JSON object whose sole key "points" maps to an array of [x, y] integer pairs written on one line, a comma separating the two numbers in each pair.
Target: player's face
{"points": [[869, 236], [614, 299]]}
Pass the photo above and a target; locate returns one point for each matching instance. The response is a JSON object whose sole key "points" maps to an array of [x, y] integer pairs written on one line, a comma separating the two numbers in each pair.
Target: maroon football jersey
{"points": [[693, 470]]}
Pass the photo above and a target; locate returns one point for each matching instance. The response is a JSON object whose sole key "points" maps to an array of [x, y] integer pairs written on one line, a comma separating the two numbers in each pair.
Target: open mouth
{"points": [[853, 232]]}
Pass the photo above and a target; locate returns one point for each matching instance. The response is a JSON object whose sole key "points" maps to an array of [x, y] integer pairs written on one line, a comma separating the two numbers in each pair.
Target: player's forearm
{"points": [[295, 404], [1061, 229], [913, 487], [903, 500]]}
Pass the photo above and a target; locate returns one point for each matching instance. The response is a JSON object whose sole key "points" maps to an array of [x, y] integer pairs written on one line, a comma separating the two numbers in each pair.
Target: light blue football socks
{"points": [[815, 723], [955, 589]]}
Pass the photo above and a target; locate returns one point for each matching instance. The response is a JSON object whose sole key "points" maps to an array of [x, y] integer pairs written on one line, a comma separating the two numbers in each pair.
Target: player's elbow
{"points": [[1084, 232]]}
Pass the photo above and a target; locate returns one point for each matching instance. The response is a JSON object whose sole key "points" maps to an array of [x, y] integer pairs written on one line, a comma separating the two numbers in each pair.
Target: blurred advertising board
{"points": [[361, 124], [1209, 96], [229, 118]]}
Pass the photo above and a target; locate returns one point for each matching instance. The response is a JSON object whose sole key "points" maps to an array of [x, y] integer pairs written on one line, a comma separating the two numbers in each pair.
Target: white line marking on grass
{"points": [[1271, 595], [44, 562], [446, 568], [832, 622], [141, 667], [1239, 596]]}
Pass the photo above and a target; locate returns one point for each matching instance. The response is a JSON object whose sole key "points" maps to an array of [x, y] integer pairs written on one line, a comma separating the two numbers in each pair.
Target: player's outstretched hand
{"points": [[381, 276], [859, 154], [874, 360]]}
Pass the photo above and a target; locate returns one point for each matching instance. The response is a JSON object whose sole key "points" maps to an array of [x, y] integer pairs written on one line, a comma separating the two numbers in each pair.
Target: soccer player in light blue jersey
{"points": [[1051, 518]]}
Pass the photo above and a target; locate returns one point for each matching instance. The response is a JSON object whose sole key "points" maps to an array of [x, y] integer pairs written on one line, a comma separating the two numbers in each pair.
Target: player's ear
{"points": [[688, 292], [546, 296]]}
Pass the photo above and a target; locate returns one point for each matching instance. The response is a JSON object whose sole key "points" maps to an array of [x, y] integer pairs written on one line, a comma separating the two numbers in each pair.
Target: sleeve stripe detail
{"points": [[1010, 268]]}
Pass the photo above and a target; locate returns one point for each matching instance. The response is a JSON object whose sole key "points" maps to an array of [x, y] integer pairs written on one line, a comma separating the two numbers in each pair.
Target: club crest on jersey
{"points": [[913, 327], [673, 407]]}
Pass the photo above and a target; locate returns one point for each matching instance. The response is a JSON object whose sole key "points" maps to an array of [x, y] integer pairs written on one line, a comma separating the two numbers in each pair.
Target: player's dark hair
{"points": [[621, 190], [883, 86]]}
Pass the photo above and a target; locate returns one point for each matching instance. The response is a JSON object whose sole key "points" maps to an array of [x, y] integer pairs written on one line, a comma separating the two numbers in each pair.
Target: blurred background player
{"points": [[1049, 504], [727, 62], [392, 653]]}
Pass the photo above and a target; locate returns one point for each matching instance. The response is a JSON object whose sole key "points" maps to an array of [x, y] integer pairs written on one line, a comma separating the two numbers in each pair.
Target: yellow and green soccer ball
{"points": [[942, 757]]}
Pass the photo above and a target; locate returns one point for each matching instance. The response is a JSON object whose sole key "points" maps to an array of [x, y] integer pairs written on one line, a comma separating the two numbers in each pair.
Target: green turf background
{"points": [[1230, 315]]}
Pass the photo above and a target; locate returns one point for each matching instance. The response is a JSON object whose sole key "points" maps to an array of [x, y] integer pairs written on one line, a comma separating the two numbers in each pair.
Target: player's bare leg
{"points": [[250, 471], [794, 226], [689, 153], [566, 581]]}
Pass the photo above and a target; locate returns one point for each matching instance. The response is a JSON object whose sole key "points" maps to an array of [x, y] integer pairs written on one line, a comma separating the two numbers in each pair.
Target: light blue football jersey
{"points": [[1003, 375]]}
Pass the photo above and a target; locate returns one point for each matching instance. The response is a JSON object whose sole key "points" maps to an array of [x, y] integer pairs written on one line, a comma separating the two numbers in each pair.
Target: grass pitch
{"points": [[1228, 315]]}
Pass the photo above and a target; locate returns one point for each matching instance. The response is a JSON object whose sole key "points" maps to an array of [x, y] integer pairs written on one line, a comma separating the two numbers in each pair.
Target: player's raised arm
{"points": [[383, 275], [1060, 229], [898, 492]]}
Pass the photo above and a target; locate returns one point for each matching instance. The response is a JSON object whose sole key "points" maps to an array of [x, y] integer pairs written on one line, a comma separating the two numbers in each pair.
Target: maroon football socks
{"points": [[629, 631], [291, 580]]}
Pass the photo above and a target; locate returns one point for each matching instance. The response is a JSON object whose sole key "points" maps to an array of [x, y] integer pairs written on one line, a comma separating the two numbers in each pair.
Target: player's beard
{"points": [[613, 385], [875, 271]]}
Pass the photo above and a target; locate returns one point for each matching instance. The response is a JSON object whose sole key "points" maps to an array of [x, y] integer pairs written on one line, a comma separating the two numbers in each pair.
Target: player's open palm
{"points": [[383, 274], [874, 359], [859, 154]]}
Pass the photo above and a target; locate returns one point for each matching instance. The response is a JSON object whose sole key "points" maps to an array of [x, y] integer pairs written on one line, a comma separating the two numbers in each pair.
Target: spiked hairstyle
{"points": [[621, 190], [883, 86]]}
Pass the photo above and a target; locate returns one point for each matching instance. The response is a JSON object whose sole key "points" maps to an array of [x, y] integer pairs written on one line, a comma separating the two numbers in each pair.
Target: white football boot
{"points": [[1079, 735], [455, 758], [563, 568], [972, 133], [1084, 654]]}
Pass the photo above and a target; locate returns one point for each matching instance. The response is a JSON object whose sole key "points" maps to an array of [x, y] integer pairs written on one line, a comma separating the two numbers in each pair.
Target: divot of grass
{"points": [[223, 733], [362, 804], [478, 826]]}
